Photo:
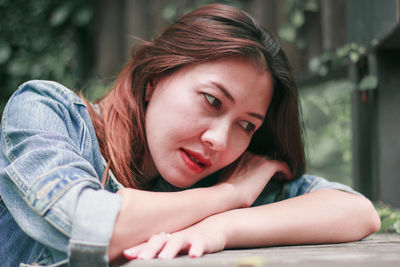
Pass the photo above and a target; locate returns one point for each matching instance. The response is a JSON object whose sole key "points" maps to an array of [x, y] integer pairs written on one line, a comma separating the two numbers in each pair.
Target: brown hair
{"points": [[207, 33]]}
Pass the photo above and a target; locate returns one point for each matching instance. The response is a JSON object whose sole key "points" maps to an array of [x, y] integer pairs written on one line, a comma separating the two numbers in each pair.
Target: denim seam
{"points": [[10, 156], [310, 187], [41, 254], [31, 196], [16, 178], [85, 139], [65, 92], [53, 217]]}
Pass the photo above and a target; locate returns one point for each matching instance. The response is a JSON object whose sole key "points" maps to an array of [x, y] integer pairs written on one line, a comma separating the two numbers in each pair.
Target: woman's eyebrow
{"points": [[229, 96], [256, 115], [224, 91]]}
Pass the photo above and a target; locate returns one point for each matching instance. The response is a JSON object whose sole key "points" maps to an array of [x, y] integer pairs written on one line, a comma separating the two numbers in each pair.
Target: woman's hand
{"points": [[250, 174], [196, 240]]}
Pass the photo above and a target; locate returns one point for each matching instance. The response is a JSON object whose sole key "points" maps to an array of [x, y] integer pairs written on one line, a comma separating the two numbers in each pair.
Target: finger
{"points": [[196, 249], [281, 167], [287, 172], [133, 252], [174, 245], [152, 247]]}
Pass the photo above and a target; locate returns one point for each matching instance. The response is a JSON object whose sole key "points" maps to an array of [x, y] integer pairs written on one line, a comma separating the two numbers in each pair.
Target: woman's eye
{"points": [[213, 101], [248, 126]]}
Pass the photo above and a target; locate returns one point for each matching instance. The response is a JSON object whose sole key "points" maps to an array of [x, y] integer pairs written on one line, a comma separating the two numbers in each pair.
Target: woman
{"points": [[188, 139]]}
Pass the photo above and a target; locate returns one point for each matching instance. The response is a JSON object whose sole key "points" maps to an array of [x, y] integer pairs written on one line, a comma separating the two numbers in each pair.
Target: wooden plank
{"points": [[377, 250]]}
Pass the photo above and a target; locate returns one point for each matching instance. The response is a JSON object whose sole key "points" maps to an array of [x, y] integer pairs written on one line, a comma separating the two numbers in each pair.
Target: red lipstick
{"points": [[195, 161]]}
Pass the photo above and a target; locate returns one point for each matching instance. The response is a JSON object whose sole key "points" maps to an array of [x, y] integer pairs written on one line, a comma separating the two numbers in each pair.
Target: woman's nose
{"points": [[217, 136]]}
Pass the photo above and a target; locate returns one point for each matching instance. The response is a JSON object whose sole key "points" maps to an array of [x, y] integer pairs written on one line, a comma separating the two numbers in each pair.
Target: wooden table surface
{"points": [[380, 250]]}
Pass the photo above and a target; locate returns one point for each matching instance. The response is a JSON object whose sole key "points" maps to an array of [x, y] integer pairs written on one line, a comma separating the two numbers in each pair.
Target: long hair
{"points": [[208, 33]]}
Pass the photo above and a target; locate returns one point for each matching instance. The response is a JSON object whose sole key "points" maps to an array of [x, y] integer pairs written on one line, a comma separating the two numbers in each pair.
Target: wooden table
{"points": [[380, 250]]}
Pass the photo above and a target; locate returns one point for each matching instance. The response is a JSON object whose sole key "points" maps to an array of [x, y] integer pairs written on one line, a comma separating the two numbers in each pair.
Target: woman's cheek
{"points": [[241, 142], [237, 146]]}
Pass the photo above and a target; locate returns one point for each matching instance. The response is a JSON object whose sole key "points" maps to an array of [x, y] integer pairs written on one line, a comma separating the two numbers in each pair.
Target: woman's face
{"points": [[202, 117]]}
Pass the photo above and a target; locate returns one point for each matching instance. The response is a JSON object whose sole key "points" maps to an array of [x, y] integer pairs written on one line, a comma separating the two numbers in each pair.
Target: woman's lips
{"points": [[195, 161]]}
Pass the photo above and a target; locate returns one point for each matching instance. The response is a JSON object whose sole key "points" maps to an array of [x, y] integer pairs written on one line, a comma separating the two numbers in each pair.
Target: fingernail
{"points": [[129, 254], [143, 256], [130, 257], [194, 255], [163, 256]]}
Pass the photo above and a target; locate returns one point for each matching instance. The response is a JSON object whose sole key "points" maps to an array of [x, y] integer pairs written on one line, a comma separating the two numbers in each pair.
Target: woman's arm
{"points": [[323, 216], [144, 213]]}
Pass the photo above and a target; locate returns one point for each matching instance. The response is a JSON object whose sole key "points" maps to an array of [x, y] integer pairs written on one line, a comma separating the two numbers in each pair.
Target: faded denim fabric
{"points": [[277, 191], [52, 205]]}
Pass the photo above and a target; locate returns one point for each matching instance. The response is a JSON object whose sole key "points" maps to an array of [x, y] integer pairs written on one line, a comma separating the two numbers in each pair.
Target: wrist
{"points": [[227, 196], [219, 228]]}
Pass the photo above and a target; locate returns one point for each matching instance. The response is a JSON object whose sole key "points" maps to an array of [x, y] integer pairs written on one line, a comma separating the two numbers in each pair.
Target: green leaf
{"points": [[396, 226], [297, 18], [314, 63], [60, 15], [169, 12], [311, 5], [83, 16], [5, 52], [354, 46], [369, 82], [287, 33], [383, 211], [256, 261], [18, 68], [326, 56], [362, 49], [354, 56], [323, 70], [343, 50], [301, 44], [386, 223]]}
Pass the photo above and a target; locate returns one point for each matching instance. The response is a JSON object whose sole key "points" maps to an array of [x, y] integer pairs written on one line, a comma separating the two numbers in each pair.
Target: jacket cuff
{"points": [[92, 228]]}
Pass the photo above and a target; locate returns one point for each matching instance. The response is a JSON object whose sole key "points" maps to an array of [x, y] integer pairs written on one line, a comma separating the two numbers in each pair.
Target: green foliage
{"points": [[326, 114], [295, 18], [39, 40], [95, 89], [390, 218], [369, 82], [327, 61], [173, 9]]}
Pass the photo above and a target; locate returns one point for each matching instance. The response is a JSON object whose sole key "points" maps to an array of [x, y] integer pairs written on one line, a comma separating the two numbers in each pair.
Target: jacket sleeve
{"points": [[277, 191], [49, 184], [310, 183]]}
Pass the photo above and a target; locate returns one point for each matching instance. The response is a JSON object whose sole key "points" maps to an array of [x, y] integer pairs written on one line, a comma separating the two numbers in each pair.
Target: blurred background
{"points": [[345, 55]]}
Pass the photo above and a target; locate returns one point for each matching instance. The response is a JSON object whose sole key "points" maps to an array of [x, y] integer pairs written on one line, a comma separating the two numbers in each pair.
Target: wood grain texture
{"points": [[376, 250]]}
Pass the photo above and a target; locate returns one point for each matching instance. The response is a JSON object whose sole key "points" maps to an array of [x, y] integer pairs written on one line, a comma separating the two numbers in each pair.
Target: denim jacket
{"points": [[52, 206], [53, 209]]}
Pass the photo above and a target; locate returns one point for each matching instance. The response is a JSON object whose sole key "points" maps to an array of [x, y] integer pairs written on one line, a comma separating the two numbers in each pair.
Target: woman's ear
{"points": [[149, 91]]}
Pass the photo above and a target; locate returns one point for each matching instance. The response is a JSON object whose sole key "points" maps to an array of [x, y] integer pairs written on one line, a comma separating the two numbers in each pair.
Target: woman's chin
{"points": [[180, 182]]}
